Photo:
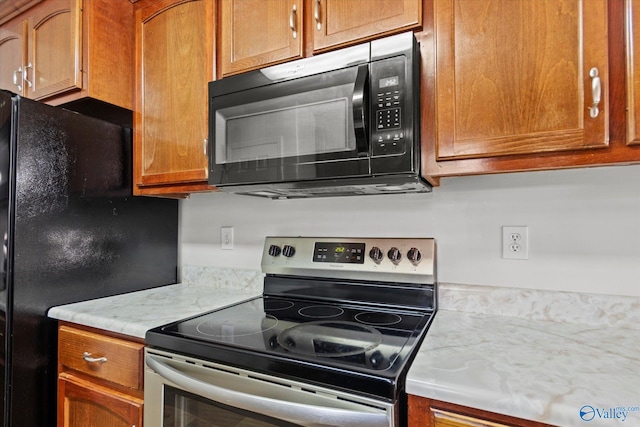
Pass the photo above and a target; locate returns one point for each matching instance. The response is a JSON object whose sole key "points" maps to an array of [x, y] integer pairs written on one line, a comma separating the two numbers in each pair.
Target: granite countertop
{"points": [[559, 358], [134, 313], [564, 374]]}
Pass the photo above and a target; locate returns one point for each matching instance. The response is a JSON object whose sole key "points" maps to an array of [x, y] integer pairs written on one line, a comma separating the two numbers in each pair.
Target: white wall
{"points": [[584, 227]]}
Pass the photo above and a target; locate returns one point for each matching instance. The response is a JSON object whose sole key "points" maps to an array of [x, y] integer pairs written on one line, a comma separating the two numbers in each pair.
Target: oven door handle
{"points": [[297, 413]]}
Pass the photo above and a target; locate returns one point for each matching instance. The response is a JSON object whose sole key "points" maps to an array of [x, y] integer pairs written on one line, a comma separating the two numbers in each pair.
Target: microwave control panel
{"points": [[389, 90]]}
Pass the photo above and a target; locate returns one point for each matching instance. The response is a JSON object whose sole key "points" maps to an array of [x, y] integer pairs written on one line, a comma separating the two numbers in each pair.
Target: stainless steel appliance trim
{"points": [[302, 263], [306, 405]]}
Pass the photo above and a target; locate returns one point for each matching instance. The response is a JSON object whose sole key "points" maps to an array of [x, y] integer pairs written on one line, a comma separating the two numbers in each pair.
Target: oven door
{"points": [[181, 391]]}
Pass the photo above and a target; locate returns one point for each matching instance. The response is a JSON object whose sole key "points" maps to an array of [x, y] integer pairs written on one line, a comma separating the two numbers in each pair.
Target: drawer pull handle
{"points": [[292, 21], [596, 92], [316, 14], [24, 75], [87, 357], [17, 73]]}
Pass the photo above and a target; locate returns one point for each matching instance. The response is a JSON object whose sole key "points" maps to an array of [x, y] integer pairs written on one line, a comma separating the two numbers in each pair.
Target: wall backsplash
{"points": [[584, 227]]}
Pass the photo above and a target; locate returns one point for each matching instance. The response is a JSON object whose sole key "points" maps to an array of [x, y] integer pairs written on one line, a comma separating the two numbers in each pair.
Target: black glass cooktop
{"points": [[356, 347], [368, 338]]}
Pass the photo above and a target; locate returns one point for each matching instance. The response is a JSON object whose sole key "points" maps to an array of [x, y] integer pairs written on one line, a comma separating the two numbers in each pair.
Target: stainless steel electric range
{"points": [[327, 344]]}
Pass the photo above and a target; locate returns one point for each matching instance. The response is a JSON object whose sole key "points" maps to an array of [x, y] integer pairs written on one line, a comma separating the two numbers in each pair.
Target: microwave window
{"points": [[306, 123]]}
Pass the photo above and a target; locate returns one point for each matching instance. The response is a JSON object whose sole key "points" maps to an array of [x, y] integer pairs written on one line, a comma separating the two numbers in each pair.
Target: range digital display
{"points": [[344, 253]]}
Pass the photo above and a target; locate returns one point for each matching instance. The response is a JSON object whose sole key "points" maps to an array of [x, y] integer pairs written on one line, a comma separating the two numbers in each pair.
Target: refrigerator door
{"points": [[76, 233], [5, 126]]}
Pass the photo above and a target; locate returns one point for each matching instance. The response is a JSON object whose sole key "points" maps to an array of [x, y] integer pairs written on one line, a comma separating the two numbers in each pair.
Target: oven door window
{"points": [[182, 409], [311, 127]]}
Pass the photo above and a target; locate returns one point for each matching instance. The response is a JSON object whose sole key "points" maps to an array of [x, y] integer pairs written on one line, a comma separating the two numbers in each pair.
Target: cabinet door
{"points": [[423, 412], [174, 63], [55, 48], [12, 48], [520, 77], [632, 27], [13, 8], [450, 419], [339, 22], [82, 403], [255, 33]]}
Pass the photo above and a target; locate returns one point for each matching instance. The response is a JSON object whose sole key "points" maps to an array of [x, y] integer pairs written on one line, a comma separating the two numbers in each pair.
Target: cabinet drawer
{"points": [[101, 356]]}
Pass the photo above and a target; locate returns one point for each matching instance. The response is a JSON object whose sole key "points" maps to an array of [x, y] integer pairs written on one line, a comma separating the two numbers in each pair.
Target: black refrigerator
{"points": [[72, 231]]}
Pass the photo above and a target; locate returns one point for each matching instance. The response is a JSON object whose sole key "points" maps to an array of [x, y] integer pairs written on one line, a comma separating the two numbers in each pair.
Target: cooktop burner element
{"points": [[378, 319], [330, 339], [320, 311], [277, 305], [345, 313]]}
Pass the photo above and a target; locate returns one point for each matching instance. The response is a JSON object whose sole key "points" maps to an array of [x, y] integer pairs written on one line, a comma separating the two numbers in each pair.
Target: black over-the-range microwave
{"points": [[340, 123]]}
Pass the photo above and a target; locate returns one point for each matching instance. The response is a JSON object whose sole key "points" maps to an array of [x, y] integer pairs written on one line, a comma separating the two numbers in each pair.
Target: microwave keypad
{"points": [[388, 135], [388, 112], [390, 129], [389, 99], [388, 119]]}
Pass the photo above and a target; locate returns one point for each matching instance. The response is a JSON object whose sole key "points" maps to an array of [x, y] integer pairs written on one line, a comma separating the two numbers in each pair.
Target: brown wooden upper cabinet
{"points": [[337, 22], [520, 77], [12, 50], [47, 41], [257, 33], [174, 63], [526, 85], [61, 50], [54, 51], [632, 31]]}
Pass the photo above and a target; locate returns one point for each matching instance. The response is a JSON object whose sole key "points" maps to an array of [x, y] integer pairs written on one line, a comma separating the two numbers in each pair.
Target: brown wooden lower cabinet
{"points": [[85, 403], [425, 412], [100, 378]]}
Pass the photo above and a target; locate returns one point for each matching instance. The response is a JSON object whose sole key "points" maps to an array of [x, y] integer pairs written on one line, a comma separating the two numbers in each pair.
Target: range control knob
{"points": [[394, 255], [414, 256], [274, 250], [288, 251], [376, 254], [377, 359]]}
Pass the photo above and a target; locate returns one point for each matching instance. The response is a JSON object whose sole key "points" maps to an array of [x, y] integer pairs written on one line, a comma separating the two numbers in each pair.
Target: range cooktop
{"points": [[342, 335], [344, 313]]}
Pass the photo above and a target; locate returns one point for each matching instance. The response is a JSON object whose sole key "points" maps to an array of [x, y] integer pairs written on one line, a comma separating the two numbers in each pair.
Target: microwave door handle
{"points": [[359, 102], [297, 413]]}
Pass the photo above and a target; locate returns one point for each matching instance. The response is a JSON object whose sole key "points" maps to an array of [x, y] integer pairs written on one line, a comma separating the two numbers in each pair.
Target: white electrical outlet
{"points": [[515, 242], [226, 237]]}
